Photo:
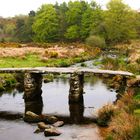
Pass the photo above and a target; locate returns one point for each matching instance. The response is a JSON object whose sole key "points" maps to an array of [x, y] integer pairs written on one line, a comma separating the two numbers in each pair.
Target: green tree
{"points": [[137, 15], [98, 25], [119, 22], [74, 16], [86, 23], [23, 30], [45, 25], [73, 33], [19, 29], [61, 14]]}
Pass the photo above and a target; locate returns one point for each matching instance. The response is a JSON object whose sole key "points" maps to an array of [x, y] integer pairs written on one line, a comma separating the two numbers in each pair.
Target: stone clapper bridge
{"points": [[33, 79]]}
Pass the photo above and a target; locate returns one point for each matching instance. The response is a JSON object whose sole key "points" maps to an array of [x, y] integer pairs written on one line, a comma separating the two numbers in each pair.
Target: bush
{"points": [[127, 102], [122, 126], [53, 54], [136, 133], [95, 41], [105, 114], [1, 87], [83, 65]]}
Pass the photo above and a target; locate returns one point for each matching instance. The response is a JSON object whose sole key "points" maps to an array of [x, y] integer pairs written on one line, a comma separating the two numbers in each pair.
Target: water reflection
{"points": [[35, 107], [54, 99], [76, 112]]}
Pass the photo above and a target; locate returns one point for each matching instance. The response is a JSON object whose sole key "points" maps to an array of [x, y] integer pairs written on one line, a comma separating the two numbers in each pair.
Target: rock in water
{"points": [[51, 132], [52, 119], [31, 117], [38, 130], [42, 125], [58, 124]]}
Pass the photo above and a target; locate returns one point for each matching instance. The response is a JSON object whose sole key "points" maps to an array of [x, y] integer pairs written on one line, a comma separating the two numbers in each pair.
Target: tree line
{"points": [[74, 21]]}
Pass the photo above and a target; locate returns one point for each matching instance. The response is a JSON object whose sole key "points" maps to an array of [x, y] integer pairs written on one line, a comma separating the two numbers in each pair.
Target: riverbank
{"points": [[41, 55], [125, 56], [119, 57]]}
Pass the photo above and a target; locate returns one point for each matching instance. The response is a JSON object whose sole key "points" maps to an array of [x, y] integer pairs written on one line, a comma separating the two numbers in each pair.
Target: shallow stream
{"points": [[77, 117]]}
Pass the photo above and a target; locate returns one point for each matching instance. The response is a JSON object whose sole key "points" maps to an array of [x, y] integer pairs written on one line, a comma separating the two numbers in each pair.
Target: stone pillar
{"points": [[76, 112], [32, 87], [76, 88]]}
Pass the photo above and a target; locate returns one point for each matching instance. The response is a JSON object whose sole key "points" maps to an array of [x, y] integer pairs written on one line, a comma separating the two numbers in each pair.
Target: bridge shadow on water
{"points": [[54, 99], [76, 113]]}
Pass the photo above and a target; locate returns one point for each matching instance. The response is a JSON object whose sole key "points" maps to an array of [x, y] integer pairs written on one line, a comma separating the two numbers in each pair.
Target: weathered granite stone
{"points": [[32, 86], [32, 117], [51, 132], [52, 119], [76, 87], [134, 81], [44, 126], [58, 124], [38, 130]]}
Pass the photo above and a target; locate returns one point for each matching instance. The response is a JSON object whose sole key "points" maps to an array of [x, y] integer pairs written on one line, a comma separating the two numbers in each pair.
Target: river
{"points": [[77, 117]]}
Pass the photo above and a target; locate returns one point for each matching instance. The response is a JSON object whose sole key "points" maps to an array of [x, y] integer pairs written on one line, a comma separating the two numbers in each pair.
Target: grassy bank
{"points": [[123, 118], [124, 57], [7, 81], [49, 56]]}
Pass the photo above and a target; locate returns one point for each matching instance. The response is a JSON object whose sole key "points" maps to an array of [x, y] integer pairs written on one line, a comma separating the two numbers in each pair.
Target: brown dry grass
{"points": [[133, 50], [122, 126], [105, 114], [62, 52], [123, 123]]}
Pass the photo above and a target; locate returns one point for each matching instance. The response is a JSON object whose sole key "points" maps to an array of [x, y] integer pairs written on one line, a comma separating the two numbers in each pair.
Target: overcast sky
{"points": [[9, 8]]}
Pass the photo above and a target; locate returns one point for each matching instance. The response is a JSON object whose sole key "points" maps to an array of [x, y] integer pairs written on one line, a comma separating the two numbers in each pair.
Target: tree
{"points": [[86, 23], [74, 16], [61, 14], [19, 30], [119, 22], [45, 25], [73, 33], [98, 25], [23, 30], [137, 15]]}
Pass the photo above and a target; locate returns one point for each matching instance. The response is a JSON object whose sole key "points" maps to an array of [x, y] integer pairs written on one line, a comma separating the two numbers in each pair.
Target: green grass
{"points": [[28, 61], [33, 60]]}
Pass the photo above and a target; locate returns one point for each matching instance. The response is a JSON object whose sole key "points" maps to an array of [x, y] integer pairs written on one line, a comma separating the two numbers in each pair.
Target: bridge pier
{"points": [[76, 88], [32, 87]]}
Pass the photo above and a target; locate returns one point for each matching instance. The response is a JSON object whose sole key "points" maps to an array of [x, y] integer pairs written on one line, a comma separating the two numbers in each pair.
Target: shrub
{"points": [[95, 41], [134, 68], [136, 132], [50, 54], [53, 54], [83, 65], [10, 82], [127, 102], [1, 87], [64, 63], [110, 63], [105, 114], [122, 127]]}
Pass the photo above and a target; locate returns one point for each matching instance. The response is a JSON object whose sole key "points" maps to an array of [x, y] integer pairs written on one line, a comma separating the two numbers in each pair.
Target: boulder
{"points": [[134, 81], [42, 125], [51, 132], [31, 117], [58, 124], [52, 119], [38, 130]]}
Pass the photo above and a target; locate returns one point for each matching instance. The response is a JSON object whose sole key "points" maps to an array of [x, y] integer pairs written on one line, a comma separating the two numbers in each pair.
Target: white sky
{"points": [[9, 8]]}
